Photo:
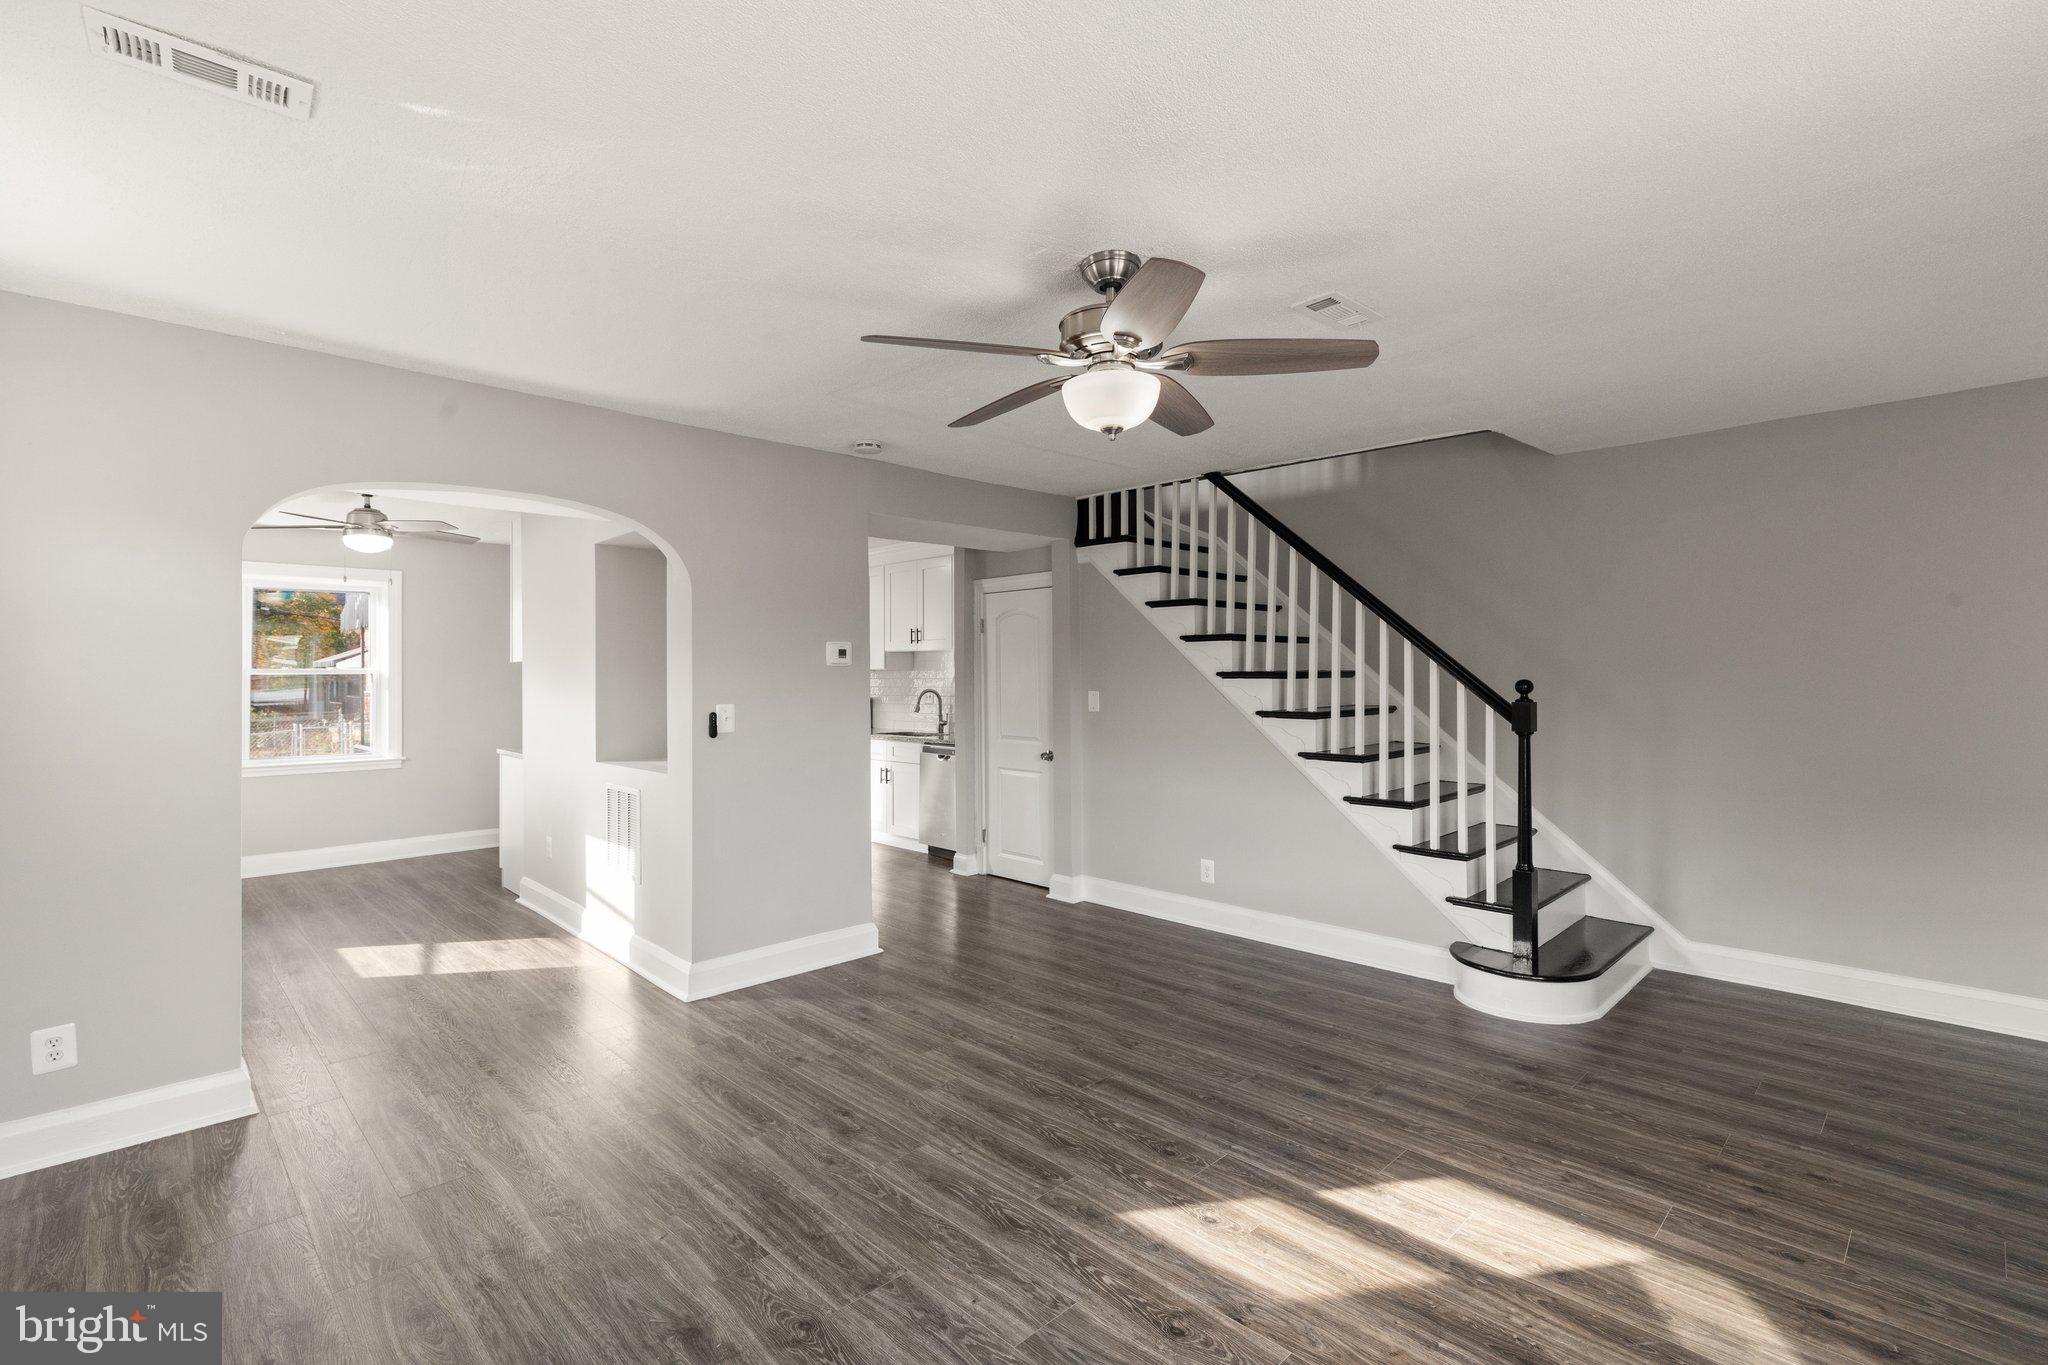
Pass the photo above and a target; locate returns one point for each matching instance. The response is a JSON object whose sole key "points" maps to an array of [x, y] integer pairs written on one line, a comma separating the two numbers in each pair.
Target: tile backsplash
{"points": [[895, 688]]}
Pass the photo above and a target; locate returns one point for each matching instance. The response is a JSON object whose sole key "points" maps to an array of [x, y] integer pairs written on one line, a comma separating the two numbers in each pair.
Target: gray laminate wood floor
{"points": [[1036, 1132]]}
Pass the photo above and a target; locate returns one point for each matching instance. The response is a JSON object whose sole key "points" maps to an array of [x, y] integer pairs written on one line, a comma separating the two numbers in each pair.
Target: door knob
{"points": [[1047, 755]]}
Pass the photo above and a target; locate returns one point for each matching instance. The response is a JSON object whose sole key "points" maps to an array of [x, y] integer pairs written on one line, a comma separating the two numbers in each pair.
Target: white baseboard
{"points": [[88, 1129], [2022, 1016], [966, 864], [735, 971], [1430, 961], [898, 841], [687, 980], [382, 851]]}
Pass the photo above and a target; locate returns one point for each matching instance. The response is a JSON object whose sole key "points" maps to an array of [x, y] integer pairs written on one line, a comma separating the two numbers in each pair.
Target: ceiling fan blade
{"points": [[1274, 355], [990, 347], [1009, 402], [1178, 410], [1153, 303], [419, 525], [323, 526], [452, 537], [304, 516]]}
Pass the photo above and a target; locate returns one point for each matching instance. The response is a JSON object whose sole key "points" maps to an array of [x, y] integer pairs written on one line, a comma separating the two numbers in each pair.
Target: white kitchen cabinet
{"points": [[878, 612], [902, 786], [917, 597], [893, 788]]}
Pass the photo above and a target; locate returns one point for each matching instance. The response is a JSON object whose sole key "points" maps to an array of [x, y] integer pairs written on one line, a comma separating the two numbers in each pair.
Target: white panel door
{"points": [[902, 789], [1017, 722]]}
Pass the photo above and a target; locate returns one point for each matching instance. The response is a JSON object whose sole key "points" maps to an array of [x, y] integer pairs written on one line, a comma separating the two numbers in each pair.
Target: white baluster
{"points": [[1272, 623], [1293, 600], [1358, 682], [1314, 641], [1379, 782], [1215, 496], [1435, 749], [1230, 558], [1492, 854], [1408, 716], [1463, 737]]}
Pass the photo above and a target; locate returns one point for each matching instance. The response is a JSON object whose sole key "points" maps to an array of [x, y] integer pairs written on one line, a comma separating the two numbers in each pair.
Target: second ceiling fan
{"points": [[1119, 369]]}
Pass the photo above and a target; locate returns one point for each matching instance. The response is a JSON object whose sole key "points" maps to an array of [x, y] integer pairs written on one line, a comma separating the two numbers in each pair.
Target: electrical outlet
{"points": [[549, 841], [1209, 871], [1094, 701], [53, 1049]]}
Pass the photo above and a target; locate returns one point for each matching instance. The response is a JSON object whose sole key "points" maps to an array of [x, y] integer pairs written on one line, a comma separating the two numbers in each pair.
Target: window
{"points": [[320, 656]]}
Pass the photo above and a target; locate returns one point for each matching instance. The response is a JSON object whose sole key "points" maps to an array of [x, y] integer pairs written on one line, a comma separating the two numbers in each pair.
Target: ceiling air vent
{"points": [[196, 64], [1336, 310]]}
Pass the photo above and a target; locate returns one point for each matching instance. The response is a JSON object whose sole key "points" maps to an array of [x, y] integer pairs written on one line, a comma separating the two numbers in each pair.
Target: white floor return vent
{"points": [[126, 41]]}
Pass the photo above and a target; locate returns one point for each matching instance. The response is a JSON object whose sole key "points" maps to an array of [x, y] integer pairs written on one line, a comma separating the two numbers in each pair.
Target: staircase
{"points": [[1427, 761]]}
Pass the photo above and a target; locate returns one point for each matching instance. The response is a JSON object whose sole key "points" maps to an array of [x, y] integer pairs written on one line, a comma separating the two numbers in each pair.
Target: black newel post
{"points": [[1522, 716]]}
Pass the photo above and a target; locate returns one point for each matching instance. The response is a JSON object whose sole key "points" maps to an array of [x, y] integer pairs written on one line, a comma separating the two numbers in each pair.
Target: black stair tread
{"points": [[1205, 602], [1170, 544], [1320, 712], [1371, 753], [1281, 673], [1417, 796], [1462, 844], [1580, 953], [1184, 573], [1238, 635], [1551, 883]]}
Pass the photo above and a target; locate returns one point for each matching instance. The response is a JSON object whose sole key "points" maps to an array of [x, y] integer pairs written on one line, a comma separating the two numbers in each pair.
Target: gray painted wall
{"points": [[1175, 775], [461, 701], [1788, 673], [632, 653], [171, 427]]}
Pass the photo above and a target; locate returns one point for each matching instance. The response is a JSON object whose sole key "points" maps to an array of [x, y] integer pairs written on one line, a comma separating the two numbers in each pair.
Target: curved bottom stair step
{"points": [[1580, 953], [1551, 884]]}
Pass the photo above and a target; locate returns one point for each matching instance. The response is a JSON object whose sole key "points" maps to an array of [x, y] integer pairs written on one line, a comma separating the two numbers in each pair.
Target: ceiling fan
{"points": [[369, 531], [1118, 361]]}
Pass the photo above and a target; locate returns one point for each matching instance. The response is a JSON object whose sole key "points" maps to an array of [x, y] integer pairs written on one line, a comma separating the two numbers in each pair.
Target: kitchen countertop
{"points": [[949, 742]]}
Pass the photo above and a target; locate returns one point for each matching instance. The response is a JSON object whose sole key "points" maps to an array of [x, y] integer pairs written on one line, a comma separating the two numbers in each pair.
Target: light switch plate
{"points": [[838, 654], [1094, 701], [726, 722]]}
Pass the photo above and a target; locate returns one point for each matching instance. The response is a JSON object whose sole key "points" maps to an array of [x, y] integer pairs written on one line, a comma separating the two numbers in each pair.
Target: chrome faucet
{"points": [[917, 708]]}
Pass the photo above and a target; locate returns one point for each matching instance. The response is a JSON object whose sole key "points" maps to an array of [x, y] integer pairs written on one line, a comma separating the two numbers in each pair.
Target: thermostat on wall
{"points": [[839, 654]]}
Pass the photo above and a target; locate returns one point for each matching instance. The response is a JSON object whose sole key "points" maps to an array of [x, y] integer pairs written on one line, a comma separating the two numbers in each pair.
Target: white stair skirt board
{"points": [[1429, 961], [1549, 1002], [898, 841], [104, 1125], [382, 851], [687, 980]]}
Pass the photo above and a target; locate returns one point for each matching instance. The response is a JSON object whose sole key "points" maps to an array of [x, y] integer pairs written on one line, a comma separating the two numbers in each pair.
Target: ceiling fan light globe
{"points": [[366, 541], [1111, 399]]}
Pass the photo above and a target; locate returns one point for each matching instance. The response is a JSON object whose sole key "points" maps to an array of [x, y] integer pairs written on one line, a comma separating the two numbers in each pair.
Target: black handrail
{"points": [[1430, 648]]}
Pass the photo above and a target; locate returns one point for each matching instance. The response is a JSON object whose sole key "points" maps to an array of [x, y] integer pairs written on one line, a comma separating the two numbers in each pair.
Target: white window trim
{"points": [[389, 638]]}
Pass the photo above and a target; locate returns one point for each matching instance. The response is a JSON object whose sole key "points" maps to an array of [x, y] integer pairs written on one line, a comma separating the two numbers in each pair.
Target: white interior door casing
{"points": [[1017, 727]]}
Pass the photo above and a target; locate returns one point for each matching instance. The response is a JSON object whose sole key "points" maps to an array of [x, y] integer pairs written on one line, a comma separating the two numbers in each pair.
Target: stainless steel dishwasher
{"points": [[935, 798]]}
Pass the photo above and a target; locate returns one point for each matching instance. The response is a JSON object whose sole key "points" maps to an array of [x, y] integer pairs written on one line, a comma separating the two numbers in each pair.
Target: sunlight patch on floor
{"points": [[479, 955]]}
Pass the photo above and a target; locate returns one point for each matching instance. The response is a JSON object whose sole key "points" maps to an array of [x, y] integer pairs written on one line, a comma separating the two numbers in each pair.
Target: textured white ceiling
{"points": [[1585, 221]]}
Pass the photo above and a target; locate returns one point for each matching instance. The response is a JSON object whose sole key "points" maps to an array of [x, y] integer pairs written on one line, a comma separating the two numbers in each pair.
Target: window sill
{"points": [[332, 765]]}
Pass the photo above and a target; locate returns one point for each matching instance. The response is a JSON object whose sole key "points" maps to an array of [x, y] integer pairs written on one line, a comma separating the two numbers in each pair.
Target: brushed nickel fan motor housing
{"points": [[366, 516], [1108, 271], [1081, 331]]}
